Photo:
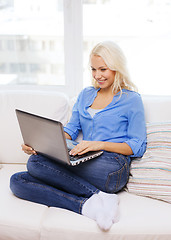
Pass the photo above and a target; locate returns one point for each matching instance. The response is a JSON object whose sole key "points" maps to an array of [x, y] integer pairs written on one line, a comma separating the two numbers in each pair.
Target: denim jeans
{"points": [[55, 184]]}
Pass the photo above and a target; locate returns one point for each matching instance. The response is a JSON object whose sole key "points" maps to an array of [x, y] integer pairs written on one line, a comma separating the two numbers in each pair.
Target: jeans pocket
{"points": [[118, 179]]}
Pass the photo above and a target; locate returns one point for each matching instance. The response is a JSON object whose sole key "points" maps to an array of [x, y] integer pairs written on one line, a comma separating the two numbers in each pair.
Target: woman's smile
{"points": [[101, 81]]}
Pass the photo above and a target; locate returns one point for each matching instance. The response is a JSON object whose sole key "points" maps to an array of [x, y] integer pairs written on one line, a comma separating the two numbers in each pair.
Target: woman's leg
{"points": [[25, 186], [108, 173], [74, 185], [59, 185], [59, 176]]}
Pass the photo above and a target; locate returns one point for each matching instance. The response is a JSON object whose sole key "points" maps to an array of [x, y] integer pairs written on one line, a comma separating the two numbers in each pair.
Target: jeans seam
{"points": [[118, 173], [119, 176], [66, 176], [126, 166], [81, 205]]}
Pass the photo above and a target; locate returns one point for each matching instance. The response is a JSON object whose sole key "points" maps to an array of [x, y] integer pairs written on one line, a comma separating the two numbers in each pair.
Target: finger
{"points": [[84, 151], [79, 148], [74, 151], [29, 150], [79, 151]]}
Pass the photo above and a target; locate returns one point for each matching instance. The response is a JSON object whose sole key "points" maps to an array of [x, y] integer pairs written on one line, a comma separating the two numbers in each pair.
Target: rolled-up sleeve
{"points": [[73, 126], [136, 131]]}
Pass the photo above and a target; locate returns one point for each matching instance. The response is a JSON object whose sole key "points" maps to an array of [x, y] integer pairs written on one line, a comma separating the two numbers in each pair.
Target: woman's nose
{"points": [[98, 75]]}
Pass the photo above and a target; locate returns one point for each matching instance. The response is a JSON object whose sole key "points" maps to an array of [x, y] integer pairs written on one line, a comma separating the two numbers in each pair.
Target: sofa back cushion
{"points": [[157, 108], [50, 104]]}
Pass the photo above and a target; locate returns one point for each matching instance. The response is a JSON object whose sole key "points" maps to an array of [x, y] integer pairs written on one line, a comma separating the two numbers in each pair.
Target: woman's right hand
{"points": [[27, 149]]}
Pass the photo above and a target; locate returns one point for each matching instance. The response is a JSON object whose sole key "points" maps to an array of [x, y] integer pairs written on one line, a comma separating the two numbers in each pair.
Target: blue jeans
{"points": [[55, 184]]}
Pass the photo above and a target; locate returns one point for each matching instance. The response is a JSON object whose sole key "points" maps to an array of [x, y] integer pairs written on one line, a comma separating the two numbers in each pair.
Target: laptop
{"points": [[46, 137]]}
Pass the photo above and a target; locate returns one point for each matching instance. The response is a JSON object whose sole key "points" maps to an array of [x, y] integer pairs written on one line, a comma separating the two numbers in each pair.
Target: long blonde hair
{"points": [[115, 60]]}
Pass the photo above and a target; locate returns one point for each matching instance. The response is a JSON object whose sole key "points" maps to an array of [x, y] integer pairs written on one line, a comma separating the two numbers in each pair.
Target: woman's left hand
{"points": [[86, 146]]}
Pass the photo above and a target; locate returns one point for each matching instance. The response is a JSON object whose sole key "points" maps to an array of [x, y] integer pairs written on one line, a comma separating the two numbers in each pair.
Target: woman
{"points": [[111, 117]]}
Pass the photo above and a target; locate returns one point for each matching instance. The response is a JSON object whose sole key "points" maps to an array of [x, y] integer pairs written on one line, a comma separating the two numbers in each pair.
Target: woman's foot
{"points": [[103, 208]]}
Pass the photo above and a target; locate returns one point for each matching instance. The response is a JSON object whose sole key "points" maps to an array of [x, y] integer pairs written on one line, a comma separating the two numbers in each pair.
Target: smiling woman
{"points": [[110, 64], [117, 127]]}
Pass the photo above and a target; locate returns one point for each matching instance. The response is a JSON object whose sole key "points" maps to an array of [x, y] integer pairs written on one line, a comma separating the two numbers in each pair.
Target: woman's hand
{"points": [[27, 149], [86, 146]]}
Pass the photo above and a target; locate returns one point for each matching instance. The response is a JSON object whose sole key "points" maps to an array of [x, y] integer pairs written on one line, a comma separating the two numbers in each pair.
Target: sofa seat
{"points": [[19, 219], [140, 218]]}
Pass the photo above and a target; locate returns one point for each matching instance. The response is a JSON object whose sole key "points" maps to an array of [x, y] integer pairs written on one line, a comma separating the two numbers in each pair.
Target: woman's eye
{"points": [[103, 69], [93, 69]]}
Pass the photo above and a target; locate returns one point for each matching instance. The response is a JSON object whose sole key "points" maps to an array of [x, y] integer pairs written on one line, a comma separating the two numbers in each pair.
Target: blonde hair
{"points": [[115, 60]]}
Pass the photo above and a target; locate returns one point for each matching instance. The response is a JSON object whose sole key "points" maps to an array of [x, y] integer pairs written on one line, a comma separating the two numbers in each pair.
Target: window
{"points": [[47, 43], [32, 36], [142, 29]]}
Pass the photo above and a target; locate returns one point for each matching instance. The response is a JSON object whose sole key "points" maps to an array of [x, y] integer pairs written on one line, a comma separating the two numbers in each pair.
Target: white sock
{"points": [[110, 211], [103, 208], [92, 207]]}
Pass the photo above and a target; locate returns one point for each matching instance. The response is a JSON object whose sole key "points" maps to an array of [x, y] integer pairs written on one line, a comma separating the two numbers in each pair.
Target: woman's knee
{"points": [[34, 164], [39, 166], [21, 184], [16, 182]]}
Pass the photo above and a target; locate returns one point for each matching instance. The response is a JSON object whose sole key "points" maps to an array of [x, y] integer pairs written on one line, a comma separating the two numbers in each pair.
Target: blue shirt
{"points": [[121, 121]]}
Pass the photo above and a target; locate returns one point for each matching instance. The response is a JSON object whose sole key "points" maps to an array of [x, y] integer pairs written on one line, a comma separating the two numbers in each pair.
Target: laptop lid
{"points": [[46, 136]]}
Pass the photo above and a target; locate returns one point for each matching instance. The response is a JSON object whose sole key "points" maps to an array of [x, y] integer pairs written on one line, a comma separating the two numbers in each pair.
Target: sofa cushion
{"points": [[140, 218], [151, 175], [19, 219], [49, 104]]}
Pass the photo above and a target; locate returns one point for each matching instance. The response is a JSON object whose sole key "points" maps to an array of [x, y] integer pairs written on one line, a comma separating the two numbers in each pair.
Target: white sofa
{"points": [[140, 217]]}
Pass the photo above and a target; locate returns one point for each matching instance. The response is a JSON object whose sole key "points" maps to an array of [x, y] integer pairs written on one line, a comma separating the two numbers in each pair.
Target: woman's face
{"points": [[101, 73]]}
